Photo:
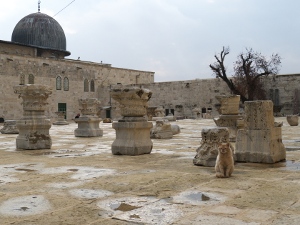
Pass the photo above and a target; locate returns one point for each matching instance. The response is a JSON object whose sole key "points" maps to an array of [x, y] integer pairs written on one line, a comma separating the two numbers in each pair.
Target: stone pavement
{"points": [[79, 181]]}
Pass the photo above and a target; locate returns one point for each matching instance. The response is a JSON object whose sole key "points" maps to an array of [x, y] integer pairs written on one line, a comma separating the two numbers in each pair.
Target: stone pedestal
{"points": [[34, 126], [229, 114], [133, 130], [9, 127], [88, 122], [60, 118], [261, 140], [132, 138], [162, 130], [208, 151]]}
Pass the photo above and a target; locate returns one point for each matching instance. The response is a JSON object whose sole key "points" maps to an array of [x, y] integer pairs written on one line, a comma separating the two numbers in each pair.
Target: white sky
{"points": [[176, 39]]}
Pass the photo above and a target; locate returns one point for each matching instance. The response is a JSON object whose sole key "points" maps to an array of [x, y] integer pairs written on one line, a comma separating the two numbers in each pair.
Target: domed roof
{"points": [[40, 30]]}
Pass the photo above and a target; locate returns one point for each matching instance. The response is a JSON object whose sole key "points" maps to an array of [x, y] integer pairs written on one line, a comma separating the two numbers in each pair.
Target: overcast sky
{"points": [[176, 39]]}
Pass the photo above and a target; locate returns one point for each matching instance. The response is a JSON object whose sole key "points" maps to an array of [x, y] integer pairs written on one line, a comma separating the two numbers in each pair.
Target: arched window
{"points": [[92, 88], [30, 79], [22, 79], [58, 83], [86, 85], [66, 84]]}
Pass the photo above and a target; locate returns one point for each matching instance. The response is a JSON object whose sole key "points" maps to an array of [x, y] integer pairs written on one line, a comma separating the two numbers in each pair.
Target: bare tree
{"points": [[248, 69]]}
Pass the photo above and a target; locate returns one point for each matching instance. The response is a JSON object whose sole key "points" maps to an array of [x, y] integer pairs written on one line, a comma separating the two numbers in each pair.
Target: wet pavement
{"points": [[79, 181]]}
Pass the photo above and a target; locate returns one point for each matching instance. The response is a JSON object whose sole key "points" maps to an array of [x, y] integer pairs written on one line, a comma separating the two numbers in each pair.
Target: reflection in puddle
{"points": [[23, 169], [292, 165], [25, 206], [198, 196], [121, 206], [286, 165]]}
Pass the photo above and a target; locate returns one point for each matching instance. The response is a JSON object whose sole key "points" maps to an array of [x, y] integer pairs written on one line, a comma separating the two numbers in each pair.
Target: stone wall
{"points": [[281, 90], [181, 97]]}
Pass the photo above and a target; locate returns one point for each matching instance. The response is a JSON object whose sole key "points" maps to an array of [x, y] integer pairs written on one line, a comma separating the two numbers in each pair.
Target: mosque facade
{"points": [[36, 55]]}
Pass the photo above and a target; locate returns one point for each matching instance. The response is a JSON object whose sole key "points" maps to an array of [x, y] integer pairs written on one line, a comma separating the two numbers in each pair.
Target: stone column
{"points": [[60, 118], [88, 122], [229, 114], [33, 127], [261, 140], [208, 151], [133, 130]]}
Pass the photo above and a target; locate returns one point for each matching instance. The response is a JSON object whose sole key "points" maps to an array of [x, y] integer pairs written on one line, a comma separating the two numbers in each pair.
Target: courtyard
{"points": [[79, 181]]}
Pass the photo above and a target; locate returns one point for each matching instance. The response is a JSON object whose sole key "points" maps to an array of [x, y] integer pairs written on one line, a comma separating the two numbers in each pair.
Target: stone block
{"points": [[259, 115], [260, 146]]}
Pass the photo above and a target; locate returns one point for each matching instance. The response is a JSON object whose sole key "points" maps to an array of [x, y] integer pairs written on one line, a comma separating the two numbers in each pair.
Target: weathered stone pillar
{"points": [[261, 140], [33, 127], [133, 130], [229, 114], [208, 151], [60, 118], [88, 122]]}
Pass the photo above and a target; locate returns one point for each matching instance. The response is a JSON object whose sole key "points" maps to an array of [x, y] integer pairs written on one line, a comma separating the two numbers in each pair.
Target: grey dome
{"points": [[40, 30]]}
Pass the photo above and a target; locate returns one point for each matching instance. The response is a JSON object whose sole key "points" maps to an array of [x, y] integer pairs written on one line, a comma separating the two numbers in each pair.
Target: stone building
{"points": [[36, 55]]}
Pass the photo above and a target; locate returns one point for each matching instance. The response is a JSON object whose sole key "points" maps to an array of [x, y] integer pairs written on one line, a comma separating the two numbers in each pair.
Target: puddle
{"points": [[285, 165], [64, 185], [89, 193], [26, 170], [291, 165], [144, 210], [25, 206], [197, 198], [82, 173], [73, 170]]}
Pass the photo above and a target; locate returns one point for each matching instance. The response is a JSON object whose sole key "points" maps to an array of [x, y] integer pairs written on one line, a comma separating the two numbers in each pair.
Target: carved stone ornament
{"points": [[133, 101], [34, 96], [208, 151], [89, 106]]}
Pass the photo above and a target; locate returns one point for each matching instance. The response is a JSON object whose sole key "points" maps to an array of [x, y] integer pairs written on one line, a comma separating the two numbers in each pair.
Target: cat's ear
{"points": [[227, 144]]}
